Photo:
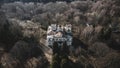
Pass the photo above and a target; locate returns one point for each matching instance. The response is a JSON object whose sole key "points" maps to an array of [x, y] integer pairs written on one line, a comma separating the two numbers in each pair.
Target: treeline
{"points": [[59, 12], [45, 1]]}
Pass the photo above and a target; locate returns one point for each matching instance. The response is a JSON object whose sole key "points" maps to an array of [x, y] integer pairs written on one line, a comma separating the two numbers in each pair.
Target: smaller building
{"points": [[59, 34]]}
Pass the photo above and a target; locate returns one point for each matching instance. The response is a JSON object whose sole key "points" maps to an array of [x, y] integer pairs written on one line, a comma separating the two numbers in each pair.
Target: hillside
{"points": [[96, 34]]}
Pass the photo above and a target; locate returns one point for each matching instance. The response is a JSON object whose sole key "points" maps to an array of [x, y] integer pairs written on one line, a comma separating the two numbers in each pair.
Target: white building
{"points": [[59, 34]]}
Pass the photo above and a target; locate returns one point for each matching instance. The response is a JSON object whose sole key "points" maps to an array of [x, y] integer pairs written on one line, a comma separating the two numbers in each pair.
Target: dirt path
{"points": [[47, 50]]}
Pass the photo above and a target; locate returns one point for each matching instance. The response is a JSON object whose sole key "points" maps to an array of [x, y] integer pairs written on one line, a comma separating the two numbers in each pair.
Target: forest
{"points": [[95, 25], [45, 1]]}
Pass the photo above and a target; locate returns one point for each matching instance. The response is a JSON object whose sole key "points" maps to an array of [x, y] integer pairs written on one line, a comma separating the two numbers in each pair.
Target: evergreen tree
{"points": [[55, 61], [64, 49], [60, 56], [56, 48], [65, 63]]}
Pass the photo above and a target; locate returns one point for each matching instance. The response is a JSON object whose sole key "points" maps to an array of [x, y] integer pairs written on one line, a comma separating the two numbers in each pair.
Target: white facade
{"points": [[58, 33]]}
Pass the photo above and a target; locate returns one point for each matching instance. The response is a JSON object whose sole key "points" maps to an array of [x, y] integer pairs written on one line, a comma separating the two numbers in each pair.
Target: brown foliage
{"points": [[7, 61]]}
